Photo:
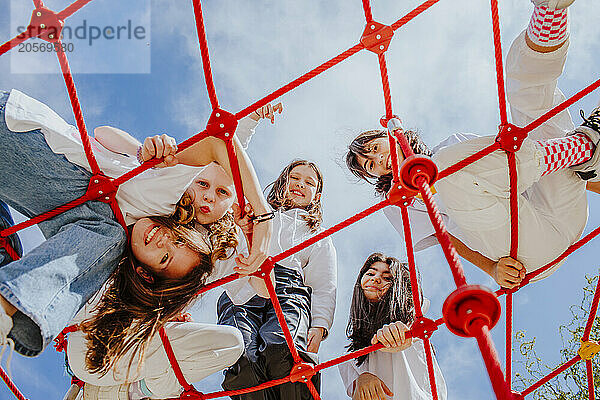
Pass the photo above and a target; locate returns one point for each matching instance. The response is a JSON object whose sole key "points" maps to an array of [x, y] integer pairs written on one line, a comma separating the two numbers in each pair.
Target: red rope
{"points": [[173, 360], [575, 246], [331, 230], [468, 161], [414, 283], [313, 390], [230, 393], [299, 81], [411, 15], [592, 313], [70, 10], [589, 367], [563, 106], [491, 360], [367, 8], [551, 375], [386, 86], [514, 205], [279, 312], [14, 42], [441, 233], [235, 171], [499, 68], [508, 349], [11, 386], [85, 140], [430, 370], [210, 84]]}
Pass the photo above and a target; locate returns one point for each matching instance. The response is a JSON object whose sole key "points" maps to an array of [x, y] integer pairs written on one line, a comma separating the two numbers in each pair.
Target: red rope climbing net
{"points": [[469, 311]]}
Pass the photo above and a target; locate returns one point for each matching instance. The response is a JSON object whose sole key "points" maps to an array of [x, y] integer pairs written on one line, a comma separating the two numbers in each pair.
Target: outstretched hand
{"points": [[163, 146], [267, 111], [508, 272]]}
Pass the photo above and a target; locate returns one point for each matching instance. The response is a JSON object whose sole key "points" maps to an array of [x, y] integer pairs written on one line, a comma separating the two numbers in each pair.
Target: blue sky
{"points": [[442, 77]]}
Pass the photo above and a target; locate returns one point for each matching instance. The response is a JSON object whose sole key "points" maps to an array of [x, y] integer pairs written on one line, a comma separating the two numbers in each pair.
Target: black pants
{"points": [[266, 355], [6, 221]]}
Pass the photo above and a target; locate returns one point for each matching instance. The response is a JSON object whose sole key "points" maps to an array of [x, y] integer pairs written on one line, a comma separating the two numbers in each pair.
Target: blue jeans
{"points": [[83, 245]]}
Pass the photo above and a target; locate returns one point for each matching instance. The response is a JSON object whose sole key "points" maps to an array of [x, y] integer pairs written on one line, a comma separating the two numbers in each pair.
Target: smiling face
{"points": [[377, 160], [376, 281], [153, 245], [212, 194], [303, 186]]}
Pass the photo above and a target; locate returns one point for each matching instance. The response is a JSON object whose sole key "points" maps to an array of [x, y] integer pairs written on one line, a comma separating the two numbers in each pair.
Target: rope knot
{"points": [[588, 349]]}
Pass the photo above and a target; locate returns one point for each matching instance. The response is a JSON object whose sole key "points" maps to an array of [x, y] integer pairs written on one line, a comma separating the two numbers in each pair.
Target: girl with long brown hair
{"points": [[44, 166], [382, 309], [305, 286]]}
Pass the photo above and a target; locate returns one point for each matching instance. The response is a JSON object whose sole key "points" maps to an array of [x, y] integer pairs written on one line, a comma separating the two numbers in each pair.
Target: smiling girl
{"points": [[382, 309], [305, 285], [554, 170], [44, 166]]}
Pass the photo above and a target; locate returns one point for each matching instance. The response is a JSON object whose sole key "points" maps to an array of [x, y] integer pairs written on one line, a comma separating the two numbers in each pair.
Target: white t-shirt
{"points": [[422, 231]]}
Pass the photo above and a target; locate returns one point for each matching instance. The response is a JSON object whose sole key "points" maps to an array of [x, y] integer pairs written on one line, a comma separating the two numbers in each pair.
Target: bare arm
{"points": [[507, 271], [117, 140]]}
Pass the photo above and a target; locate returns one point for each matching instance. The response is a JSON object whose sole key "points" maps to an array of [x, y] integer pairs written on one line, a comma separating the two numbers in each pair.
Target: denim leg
{"points": [[294, 298], [6, 221], [52, 282], [247, 317]]}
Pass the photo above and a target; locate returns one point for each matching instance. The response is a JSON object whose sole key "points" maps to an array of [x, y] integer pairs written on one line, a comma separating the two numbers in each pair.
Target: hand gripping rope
{"points": [[470, 310]]}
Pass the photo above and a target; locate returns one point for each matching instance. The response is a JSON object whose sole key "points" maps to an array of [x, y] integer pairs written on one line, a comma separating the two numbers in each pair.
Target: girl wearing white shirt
{"points": [[44, 166], [382, 309], [305, 286], [554, 170]]}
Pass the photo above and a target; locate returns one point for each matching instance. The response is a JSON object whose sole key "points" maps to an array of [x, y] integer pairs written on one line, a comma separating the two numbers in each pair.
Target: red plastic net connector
{"points": [[414, 167], [401, 196], [468, 304], [517, 396], [302, 372], [377, 37], [511, 137], [101, 188], [45, 24], [221, 124], [423, 328], [265, 269], [192, 394]]}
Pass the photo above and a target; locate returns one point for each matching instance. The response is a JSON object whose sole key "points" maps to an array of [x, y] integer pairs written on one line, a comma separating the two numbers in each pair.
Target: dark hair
{"points": [[132, 309], [396, 304], [360, 147], [278, 195]]}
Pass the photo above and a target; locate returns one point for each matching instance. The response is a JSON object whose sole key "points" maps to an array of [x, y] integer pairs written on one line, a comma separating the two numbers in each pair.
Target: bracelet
{"points": [[139, 155], [262, 217]]}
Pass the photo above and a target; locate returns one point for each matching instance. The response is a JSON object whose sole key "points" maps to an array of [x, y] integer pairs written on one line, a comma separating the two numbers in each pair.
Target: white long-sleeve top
{"points": [[422, 231], [317, 263], [405, 373]]}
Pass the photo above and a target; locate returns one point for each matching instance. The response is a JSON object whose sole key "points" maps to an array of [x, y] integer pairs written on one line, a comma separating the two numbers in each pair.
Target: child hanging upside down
{"points": [[555, 164]]}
